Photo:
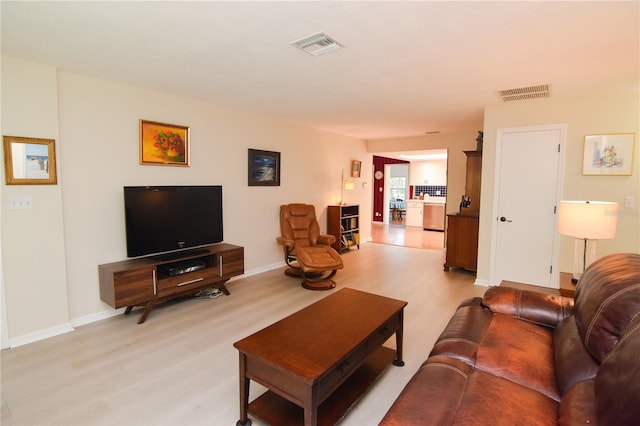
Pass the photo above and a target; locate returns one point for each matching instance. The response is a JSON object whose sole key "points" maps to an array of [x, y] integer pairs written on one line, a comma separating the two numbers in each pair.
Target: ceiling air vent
{"points": [[532, 92], [317, 44]]}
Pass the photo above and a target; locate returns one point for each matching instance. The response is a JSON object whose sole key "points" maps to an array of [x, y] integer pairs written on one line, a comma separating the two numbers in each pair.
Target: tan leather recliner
{"points": [[307, 252]]}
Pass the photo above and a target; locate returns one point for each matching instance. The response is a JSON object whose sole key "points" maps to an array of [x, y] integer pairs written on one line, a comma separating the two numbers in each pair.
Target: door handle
{"points": [[504, 219]]}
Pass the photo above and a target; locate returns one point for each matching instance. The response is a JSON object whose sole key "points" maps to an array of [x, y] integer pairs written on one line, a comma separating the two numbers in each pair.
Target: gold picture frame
{"points": [[608, 154], [356, 168], [29, 161], [163, 144]]}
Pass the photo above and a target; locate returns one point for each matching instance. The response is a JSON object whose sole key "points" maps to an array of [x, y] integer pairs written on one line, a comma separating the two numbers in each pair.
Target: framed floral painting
{"points": [[163, 144]]}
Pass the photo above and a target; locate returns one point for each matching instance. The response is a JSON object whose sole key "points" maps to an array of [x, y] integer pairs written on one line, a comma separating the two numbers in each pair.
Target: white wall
{"points": [[33, 244], [610, 113], [98, 150]]}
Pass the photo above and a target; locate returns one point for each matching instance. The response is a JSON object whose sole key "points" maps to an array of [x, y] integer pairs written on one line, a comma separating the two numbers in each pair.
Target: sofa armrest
{"points": [[532, 306]]}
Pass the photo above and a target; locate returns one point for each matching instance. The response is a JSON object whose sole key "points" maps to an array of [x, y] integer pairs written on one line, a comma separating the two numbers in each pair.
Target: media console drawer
{"points": [[145, 281], [183, 282]]}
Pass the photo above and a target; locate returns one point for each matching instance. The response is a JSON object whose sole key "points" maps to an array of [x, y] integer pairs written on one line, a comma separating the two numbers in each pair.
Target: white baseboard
{"points": [[88, 319], [482, 283], [259, 270], [40, 335], [98, 316]]}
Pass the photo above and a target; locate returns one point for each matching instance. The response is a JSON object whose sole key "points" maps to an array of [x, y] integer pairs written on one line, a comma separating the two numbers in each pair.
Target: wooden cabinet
{"points": [[463, 227], [148, 281], [567, 287], [462, 242], [473, 181], [343, 222]]}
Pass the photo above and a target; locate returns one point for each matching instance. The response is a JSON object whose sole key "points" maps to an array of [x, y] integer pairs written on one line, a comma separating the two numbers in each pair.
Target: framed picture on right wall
{"points": [[608, 154]]}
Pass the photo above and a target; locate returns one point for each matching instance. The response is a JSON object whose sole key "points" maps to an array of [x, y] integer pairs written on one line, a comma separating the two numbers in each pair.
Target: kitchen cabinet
{"points": [[433, 217], [414, 214]]}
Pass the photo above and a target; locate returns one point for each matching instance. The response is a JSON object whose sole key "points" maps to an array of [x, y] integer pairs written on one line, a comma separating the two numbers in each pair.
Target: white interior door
{"points": [[528, 188]]}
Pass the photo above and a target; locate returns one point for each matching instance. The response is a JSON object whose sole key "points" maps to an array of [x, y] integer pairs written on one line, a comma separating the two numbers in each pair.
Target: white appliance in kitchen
{"points": [[414, 213]]}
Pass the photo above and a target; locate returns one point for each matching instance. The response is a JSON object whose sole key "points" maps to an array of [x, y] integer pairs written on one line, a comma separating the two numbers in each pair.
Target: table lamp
{"points": [[587, 221], [349, 185]]}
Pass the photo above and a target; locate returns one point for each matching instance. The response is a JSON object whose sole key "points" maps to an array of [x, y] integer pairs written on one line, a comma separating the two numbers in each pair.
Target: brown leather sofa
{"points": [[517, 357]]}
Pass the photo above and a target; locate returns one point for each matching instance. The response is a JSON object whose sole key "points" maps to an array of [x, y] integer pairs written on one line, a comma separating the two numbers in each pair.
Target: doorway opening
{"points": [[412, 180]]}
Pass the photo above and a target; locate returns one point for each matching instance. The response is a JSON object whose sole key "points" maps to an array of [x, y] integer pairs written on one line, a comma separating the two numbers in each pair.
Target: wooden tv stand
{"points": [[151, 280]]}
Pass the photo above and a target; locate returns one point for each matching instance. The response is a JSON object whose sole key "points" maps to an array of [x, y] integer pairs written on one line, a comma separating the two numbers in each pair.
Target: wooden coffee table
{"points": [[317, 362]]}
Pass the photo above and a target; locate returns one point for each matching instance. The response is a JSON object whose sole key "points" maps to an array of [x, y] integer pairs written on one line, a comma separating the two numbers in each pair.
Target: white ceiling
{"points": [[409, 67]]}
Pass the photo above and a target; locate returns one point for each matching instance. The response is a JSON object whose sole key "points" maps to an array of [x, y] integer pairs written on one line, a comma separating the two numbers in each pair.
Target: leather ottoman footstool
{"points": [[318, 264]]}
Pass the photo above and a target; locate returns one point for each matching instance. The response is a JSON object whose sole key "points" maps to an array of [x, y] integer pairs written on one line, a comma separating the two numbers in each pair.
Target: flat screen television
{"points": [[167, 220]]}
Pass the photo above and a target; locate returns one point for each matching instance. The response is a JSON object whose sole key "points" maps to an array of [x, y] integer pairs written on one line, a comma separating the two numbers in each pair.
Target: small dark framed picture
{"points": [[264, 168], [356, 166]]}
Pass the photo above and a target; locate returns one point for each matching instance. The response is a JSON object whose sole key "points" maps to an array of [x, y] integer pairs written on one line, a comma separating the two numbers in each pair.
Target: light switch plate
{"points": [[20, 202], [629, 202]]}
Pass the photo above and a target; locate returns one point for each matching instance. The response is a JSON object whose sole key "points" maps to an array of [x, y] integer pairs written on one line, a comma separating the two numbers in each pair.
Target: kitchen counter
{"points": [[427, 214], [431, 200]]}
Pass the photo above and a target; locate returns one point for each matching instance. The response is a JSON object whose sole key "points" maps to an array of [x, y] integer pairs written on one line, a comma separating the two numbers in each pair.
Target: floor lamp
{"points": [[587, 222]]}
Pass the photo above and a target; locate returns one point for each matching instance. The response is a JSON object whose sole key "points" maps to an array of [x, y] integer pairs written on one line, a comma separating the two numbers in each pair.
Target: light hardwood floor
{"points": [[400, 235], [180, 367]]}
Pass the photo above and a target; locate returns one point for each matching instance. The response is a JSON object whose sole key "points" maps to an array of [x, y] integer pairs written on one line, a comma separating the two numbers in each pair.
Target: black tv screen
{"points": [[161, 219]]}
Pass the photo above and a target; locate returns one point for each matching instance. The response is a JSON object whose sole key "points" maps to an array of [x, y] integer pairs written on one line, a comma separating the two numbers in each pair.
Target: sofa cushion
{"points": [[449, 391], [578, 405], [607, 301], [573, 362], [491, 400], [521, 352], [440, 383], [502, 345]]}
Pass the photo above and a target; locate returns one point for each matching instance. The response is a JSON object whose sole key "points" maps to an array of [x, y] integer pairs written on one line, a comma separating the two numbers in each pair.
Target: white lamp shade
{"points": [[590, 220], [349, 185]]}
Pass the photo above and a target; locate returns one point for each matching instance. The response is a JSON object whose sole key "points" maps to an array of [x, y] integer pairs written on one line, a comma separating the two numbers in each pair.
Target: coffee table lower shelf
{"points": [[273, 409]]}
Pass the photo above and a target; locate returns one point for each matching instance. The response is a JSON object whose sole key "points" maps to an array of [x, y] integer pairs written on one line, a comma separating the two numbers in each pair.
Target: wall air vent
{"points": [[317, 44], [532, 92]]}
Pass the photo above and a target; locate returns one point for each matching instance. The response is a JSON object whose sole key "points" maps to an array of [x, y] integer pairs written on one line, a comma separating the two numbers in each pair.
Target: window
{"points": [[398, 188]]}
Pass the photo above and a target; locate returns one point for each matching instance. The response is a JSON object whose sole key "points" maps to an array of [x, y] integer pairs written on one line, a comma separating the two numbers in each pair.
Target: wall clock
{"points": [[378, 175]]}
